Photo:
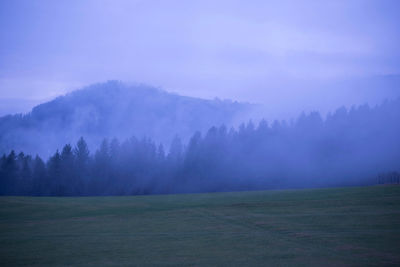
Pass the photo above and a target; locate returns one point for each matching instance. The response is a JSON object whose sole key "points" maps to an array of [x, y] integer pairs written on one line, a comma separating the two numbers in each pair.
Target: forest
{"points": [[356, 146], [114, 110]]}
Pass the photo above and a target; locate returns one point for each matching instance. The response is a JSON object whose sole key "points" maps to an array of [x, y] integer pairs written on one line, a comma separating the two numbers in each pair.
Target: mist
{"points": [[115, 110], [359, 146], [200, 132], [260, 95], [287, 55]]}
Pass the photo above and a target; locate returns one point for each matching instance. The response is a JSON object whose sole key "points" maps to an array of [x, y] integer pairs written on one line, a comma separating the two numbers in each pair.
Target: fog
{"points": [[115, 110], [360, 146], [256, 95], [287, 52]]}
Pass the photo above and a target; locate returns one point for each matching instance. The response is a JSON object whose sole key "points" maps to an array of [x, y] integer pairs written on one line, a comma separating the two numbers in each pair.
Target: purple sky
{"points": [[284, 54]]}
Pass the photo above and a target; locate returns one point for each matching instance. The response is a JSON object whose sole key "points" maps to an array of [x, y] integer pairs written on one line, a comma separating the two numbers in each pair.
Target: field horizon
{"points": [[302, 227]]}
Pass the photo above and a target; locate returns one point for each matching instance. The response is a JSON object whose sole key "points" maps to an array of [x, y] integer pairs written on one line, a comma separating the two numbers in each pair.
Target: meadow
{"points": [[354, 226]]}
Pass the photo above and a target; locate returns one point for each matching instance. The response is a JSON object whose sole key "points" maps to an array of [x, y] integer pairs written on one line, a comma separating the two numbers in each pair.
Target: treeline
{"points": [[113, 109], [349, 147]]}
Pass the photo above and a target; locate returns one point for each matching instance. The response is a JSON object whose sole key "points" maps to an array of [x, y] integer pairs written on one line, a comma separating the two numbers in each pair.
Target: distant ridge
{"points": [[113, 109]]}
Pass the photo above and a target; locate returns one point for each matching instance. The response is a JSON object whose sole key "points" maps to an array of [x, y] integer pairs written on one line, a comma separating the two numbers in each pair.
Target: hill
{"points": [[359, 146], [356, 226], [113, 109]]}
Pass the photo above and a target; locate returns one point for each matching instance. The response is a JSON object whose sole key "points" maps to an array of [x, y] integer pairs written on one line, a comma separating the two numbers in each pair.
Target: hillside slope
{"points": [[113, 109]]}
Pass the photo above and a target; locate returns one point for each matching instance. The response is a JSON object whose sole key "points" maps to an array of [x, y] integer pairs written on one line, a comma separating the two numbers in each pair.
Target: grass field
{"points": [[319, 227]]}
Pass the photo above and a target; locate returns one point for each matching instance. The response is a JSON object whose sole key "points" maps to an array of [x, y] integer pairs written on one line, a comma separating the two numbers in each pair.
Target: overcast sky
{"points": [[271, 52]]}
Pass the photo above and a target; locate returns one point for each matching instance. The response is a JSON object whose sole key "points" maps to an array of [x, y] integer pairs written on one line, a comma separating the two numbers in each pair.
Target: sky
{"points": [[288, 55]]}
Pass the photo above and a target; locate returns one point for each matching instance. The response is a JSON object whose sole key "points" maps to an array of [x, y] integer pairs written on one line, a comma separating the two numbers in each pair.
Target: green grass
{"points": [[318, 227]]}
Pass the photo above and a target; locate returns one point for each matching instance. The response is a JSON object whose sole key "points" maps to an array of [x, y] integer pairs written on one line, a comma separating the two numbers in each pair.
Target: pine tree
{"points": [[41, 184], [82, 166], [26, 182], [68, 175], [10, 171], [55, 176], [101, 169]]}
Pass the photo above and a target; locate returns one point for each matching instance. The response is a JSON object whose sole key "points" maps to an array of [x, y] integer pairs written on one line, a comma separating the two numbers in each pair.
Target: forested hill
{"points": [[113, 109], [349, 147]]}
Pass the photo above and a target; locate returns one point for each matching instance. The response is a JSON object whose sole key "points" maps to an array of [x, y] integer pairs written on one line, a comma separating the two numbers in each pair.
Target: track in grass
{"points": [[331, 227]]}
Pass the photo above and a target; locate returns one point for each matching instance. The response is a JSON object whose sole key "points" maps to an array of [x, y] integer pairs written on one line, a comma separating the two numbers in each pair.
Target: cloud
{"points": [[199, 48]]}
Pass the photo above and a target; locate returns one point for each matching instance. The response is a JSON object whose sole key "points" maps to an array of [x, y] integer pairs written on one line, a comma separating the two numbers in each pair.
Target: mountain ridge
{"points": [[114, 109]]}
